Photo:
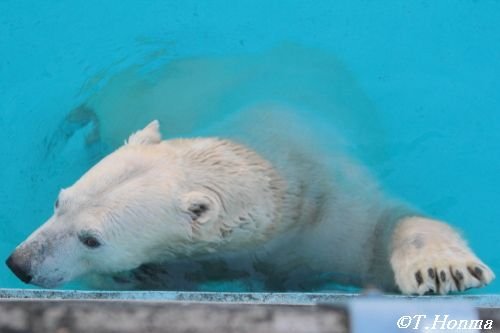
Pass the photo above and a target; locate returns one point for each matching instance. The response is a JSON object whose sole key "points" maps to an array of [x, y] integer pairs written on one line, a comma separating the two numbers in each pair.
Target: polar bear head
{"points": [[150, 201]]}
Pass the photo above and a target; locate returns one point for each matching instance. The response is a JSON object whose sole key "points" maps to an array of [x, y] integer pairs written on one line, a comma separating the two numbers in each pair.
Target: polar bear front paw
{"points": [[430, 257]]}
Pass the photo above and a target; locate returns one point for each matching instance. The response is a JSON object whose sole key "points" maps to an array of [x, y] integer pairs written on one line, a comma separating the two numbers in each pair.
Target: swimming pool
{"points": [[430, 72]]}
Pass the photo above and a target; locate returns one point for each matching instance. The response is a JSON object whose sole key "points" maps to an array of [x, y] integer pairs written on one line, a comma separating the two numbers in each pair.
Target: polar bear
{"points": [[275, 204]]}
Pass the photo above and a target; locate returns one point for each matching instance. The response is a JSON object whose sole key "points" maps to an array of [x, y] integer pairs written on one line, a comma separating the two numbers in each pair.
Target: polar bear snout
{"points": [[20, 264], [35, 263], [45, 258]]}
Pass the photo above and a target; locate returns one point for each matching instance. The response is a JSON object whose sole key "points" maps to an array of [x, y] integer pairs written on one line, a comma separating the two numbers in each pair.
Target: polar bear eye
{"points": [[57, 203], [89, 241]]}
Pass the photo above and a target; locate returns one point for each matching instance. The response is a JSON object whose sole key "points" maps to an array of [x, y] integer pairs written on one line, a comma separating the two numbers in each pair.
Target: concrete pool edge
{"points": [[480, 301]]}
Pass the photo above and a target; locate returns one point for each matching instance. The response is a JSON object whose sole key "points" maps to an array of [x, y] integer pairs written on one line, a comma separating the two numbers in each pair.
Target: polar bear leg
{"points": [[429, 256]]}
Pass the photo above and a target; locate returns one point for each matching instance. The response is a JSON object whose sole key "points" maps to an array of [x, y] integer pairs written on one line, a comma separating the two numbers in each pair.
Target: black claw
{"points": [[459, 275], [456, 279], [477, 273], [443, 276], [430, 271], [418, 277], [435, 276]]}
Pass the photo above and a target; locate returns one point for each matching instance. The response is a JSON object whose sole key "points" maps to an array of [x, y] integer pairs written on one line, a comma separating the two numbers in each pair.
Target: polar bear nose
{"points": [[19, 266]]}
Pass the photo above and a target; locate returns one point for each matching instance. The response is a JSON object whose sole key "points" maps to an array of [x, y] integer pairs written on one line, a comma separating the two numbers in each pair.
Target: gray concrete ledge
{"points": [[480, 301], [64, 311], [120, 316]]}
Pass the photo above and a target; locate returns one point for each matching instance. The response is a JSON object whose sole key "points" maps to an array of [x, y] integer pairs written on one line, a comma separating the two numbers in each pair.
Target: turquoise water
{"points": [[415, 82]]}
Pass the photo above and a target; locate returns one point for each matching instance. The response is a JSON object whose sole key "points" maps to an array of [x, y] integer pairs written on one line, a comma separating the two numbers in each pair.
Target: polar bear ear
{"points": [[200, 207], [148, 135]]}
